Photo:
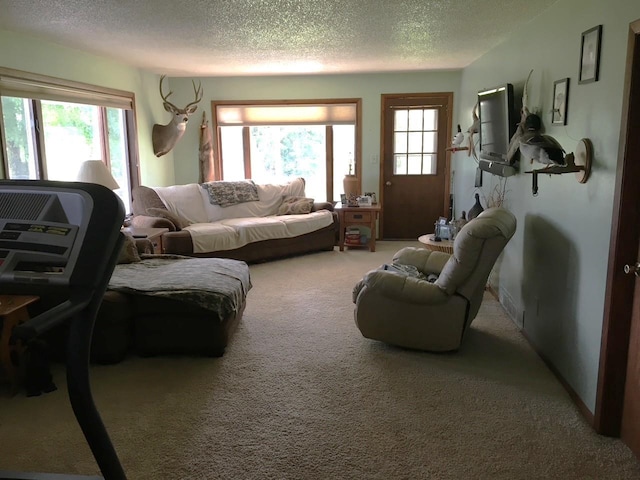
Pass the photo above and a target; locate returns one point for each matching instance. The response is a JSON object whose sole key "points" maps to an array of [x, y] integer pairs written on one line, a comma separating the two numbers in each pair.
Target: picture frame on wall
{"points": [[590, 55], [560, 102]]}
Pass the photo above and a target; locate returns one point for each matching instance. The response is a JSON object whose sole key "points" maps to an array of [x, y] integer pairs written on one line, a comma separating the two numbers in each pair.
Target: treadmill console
{"points": [[41, 234]]}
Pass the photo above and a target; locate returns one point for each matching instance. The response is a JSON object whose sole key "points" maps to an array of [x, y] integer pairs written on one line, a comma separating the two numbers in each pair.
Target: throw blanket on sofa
{"points": [[226, 194], [216, 284]]}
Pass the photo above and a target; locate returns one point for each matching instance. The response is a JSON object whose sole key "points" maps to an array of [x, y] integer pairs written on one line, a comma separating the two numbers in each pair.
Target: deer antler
{"points": [[165, 97], [198, 94]]}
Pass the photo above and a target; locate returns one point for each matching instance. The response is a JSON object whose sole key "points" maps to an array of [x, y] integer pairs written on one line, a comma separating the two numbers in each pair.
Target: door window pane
{"points": [[418, 138], [400, 142], [415, 142], [429, 164], [414, 164], [430, 142], [415, 119], [20, 150], [430, 119], [400, 164], [401, 119]]}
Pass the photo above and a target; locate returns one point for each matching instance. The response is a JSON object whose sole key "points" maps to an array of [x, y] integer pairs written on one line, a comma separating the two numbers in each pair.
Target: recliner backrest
{"points": [[475, 250]]}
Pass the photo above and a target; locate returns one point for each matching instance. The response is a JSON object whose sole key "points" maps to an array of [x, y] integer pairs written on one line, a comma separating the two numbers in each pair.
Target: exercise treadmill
{"points": [[61, 240]]}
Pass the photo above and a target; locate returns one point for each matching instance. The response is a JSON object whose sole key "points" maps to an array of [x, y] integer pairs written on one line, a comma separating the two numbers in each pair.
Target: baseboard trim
{"points": [[575, 398]]}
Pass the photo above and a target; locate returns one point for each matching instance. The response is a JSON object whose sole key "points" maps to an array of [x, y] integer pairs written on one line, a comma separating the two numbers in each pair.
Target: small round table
{"points": [[445, 246]]}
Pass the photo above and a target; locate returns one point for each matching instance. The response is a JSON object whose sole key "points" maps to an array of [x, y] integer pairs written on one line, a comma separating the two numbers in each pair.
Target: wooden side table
{"points": [[353, 216], [445, 246], [154, 235], [13, 312]]}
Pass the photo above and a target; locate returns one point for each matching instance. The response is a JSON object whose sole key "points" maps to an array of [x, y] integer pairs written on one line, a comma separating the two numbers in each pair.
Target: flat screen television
{"points": [[497, 125]]}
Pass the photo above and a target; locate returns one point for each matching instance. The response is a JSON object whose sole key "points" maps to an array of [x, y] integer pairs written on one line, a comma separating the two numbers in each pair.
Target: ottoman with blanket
{"points": [[182, 304]]}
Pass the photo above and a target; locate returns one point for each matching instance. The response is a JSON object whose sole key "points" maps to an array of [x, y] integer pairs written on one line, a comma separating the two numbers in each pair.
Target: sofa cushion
{"points": [[176, 219], [232, 233], [295, 206], [184, 200], [226, 194]]}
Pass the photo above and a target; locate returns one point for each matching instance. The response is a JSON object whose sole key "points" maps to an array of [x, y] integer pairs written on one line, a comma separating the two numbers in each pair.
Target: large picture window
{"points": [[274, 142], [49, 127]]}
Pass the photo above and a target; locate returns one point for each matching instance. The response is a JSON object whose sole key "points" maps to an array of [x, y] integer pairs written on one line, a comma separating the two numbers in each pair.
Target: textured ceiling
{"points": [[266, 37]]}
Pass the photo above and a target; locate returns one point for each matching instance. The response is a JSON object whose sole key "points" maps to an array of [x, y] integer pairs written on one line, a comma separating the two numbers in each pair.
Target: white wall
{"points": [[35, 55], [553, 272], [369, 87]]}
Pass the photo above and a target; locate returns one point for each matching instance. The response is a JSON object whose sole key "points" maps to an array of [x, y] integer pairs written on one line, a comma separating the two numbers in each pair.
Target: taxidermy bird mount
{"points": [[539, 147], [456, 143], [549, 151], [459, 138]]}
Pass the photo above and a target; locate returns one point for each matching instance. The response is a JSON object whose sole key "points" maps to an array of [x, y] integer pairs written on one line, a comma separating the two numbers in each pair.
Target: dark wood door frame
{"points": [[625, 236], [448, 96]]}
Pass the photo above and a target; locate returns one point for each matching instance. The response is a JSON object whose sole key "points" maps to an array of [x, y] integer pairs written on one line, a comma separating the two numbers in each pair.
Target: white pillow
{"points": [[184, 200]]}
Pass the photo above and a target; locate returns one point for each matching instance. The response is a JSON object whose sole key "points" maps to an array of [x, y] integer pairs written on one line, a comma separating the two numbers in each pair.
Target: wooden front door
{"points": [[416, 130], [618, 397]]}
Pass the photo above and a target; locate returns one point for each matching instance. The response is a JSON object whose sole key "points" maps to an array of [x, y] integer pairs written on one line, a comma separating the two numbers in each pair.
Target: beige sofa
{"points": [[247, 221], [425, 299]]}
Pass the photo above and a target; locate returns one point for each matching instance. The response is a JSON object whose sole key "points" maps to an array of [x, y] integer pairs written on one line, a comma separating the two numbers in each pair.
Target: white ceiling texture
{"points": [[268, 37]]}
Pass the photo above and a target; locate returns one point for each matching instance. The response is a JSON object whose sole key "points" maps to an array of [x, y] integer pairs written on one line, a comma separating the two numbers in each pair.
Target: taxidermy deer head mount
{"points": [[165, 137]]}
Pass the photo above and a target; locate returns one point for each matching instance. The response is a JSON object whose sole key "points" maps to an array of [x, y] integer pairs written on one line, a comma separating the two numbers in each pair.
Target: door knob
{"points": [[388, 183], [632, 268]]}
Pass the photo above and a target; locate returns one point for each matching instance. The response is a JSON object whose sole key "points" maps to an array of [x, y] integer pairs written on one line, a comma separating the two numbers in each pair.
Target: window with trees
{"points": [[48, 127], [274, 142]]}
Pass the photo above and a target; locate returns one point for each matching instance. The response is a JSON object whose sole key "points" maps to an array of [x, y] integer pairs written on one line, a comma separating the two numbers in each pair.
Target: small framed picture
{"points": [[590, 55], [560, 101], [442, 221]]}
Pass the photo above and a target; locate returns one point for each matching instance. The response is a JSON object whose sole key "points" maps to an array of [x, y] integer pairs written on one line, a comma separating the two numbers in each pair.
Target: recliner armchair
{"points": [[407, 310]]}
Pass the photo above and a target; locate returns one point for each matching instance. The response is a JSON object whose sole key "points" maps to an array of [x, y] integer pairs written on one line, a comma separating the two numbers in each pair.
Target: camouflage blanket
{"points": [[216, 284]]}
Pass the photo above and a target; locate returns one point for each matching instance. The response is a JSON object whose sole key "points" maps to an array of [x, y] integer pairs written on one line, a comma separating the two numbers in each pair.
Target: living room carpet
{"points": [[300, 394]]}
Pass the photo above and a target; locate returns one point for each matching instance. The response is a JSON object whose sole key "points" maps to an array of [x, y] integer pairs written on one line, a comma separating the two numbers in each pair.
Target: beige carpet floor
{"points": [[300, 394]]}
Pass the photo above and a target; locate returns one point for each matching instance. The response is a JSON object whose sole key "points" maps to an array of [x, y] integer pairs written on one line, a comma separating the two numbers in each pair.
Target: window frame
{"points": [[37, 87], [218, 172]]}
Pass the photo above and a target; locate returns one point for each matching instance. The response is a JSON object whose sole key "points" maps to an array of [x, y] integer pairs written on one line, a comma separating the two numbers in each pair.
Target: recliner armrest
{"points": [[402, 288], [427, 261]]}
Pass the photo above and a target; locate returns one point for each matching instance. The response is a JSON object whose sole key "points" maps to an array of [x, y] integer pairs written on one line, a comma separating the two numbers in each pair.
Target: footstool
{"points": [[183, 305]]}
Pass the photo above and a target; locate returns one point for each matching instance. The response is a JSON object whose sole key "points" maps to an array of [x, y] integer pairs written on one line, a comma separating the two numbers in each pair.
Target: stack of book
{"points": [[352, 236]]}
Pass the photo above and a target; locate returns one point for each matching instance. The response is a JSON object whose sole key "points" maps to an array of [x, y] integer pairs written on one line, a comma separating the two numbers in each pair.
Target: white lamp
{"points": [[95, 171]]}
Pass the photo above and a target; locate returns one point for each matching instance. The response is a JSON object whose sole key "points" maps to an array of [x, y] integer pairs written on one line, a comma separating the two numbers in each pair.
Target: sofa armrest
{"points": [[399, 287], [145, 221], [427, 261], [322, 206]]}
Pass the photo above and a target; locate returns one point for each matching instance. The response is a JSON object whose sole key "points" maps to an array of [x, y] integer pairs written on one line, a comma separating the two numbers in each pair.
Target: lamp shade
{"points": [[95, 171]]}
